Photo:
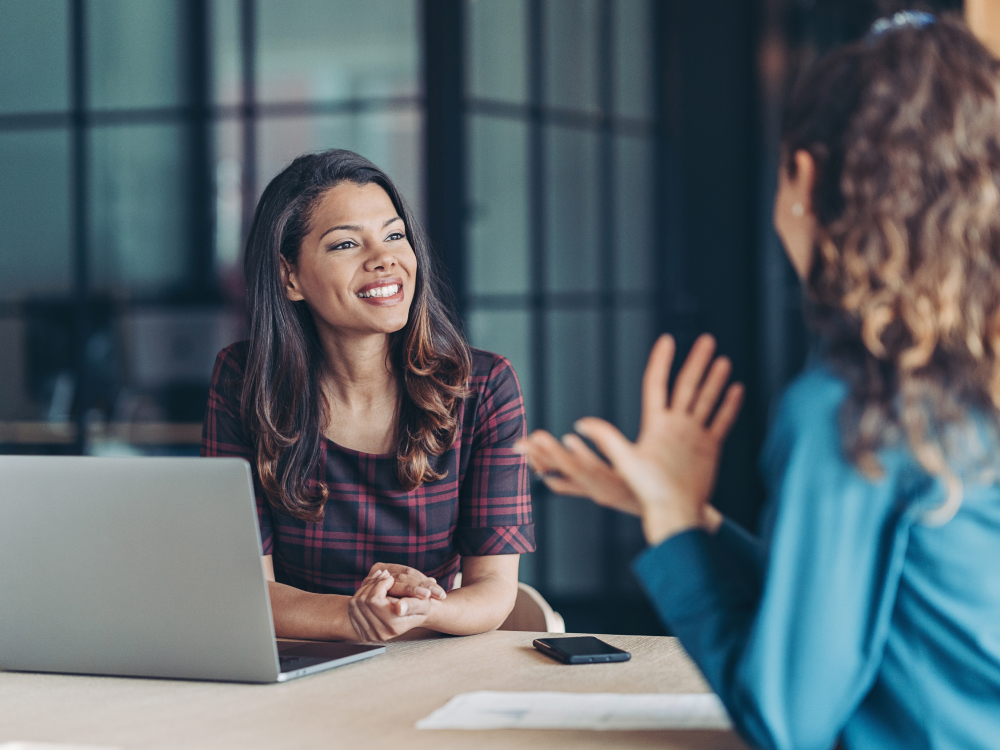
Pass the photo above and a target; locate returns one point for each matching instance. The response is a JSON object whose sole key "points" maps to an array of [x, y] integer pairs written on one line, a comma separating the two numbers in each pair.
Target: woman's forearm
{"points": [[301, 614], [475, 608]]}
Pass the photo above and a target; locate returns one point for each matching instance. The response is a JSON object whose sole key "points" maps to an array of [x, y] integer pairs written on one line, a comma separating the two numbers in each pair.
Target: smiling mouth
{"points": [[381, 291]]}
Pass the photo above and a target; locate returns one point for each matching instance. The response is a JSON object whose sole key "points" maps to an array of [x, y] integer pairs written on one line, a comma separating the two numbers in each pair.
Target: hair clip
{"points": [[914, 19]]}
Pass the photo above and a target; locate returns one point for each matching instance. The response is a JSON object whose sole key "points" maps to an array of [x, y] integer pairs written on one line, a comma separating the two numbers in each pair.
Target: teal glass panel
{"points": [[573, 368], [634, 336], [497, 49], [389, 138], [228, 199], [527, 568], [571, 54], [138, 202], [634, 63], [16, 403], [227, 52], [573, 391], [631, 542], [136, 53], [507, 332], [574, 532], [498, 216], [35, 251], [327, 50], [34, 37], [572, 220], [634, 195]]}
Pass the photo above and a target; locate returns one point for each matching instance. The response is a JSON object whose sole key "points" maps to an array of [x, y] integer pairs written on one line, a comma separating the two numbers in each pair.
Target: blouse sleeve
{"points": [[792, 661], [494, 516], [740, 554], [223, 434]]}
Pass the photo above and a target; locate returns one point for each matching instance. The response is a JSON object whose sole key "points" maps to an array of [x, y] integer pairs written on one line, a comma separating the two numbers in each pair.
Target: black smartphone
{"points": [[584, 649]]}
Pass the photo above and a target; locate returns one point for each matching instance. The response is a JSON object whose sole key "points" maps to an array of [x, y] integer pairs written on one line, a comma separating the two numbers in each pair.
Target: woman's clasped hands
{"points": [[668, 474], [392, 600]]}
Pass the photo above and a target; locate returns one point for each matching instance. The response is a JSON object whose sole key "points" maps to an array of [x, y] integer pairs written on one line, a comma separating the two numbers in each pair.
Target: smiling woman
{"points": [[380, 442]]}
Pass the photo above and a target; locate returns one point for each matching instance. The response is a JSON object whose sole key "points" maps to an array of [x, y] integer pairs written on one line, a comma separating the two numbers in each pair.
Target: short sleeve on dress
{"points": [[223, 435], [495, 496]]}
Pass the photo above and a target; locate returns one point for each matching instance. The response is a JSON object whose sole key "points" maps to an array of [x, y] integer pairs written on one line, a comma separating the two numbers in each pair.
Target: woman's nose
{"points": [[380, 259]]}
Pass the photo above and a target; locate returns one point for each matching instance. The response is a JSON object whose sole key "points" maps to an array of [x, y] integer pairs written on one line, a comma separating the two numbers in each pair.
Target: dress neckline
{"points": [[352, 452]]}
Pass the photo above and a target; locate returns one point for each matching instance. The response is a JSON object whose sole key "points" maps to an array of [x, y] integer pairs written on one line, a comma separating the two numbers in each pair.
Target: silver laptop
{"points": [[144, 567]]}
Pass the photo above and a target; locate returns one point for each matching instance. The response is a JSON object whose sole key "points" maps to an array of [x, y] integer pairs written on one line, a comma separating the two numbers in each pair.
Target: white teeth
{"points": [[380, 291]]}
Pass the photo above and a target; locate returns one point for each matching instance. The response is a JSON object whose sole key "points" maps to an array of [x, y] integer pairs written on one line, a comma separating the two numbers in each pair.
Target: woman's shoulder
{"points": [[815, 395], [807, 417], [232, 359], [809, 424], [492, 379], [488, 366], [230, 364]]}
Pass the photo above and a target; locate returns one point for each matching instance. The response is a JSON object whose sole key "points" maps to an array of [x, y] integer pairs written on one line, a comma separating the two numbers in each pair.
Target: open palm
{"points": [[672, 466]]}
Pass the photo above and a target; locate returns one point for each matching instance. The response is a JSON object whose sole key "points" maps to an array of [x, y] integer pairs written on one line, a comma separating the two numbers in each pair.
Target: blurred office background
{"points": [[591, 172]]}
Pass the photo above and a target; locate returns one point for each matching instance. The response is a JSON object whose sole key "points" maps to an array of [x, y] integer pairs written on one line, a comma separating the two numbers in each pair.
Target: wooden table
{"points": [[372, 704]]}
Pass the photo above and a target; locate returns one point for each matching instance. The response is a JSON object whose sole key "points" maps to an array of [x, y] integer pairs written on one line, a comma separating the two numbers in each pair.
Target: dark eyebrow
{"points": [[355, 227]]}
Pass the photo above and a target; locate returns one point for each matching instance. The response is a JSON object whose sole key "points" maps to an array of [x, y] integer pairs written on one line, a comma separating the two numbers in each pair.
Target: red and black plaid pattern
{"points": [[481, 507]]}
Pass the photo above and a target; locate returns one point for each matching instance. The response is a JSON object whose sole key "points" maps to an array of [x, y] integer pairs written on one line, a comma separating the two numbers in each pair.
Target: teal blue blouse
{"points": [[853, 619]]}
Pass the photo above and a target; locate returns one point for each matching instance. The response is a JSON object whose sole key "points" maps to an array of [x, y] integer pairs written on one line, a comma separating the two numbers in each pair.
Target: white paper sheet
{"points": [[51, 746], [611, 711]]}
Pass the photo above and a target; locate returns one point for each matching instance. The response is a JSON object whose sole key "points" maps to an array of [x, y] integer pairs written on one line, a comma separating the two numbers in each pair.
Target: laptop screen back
{"points": [[132, 566]]}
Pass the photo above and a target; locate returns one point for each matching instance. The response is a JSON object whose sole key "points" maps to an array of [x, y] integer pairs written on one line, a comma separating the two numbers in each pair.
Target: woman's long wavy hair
{"points": [[904, 286], [282, 405]]}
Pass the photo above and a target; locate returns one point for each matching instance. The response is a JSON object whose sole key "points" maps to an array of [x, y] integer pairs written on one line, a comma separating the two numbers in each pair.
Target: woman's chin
{"points": [[368, 321], [390, 319]]}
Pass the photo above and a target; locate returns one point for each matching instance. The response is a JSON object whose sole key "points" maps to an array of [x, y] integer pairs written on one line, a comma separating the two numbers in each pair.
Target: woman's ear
{"points": [[794, 219], [804, 180], [290, 281]]}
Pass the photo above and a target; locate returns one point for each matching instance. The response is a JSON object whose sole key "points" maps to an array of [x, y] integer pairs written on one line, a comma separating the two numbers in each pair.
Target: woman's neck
{"points": [[359, 369], [361, 390]]}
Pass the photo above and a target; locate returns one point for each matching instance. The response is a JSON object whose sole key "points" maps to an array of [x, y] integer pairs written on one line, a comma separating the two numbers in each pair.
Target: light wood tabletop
{"points": [[370, 704]]}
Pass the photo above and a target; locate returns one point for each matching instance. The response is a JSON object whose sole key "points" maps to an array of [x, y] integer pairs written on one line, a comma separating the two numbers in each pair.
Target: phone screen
{"points": [[581, 646]]}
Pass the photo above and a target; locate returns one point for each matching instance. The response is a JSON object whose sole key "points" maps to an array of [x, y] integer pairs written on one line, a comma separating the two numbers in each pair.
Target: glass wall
{"points": [[119, 122], [560, 129], [136, 137], [309, 75]]}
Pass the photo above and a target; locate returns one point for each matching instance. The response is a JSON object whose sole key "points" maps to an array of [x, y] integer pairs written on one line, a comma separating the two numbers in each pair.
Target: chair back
{"points": [[531, 612]]}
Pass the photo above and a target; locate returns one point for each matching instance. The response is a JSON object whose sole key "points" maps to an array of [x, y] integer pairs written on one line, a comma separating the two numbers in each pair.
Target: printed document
{"points": [[609, 711]]}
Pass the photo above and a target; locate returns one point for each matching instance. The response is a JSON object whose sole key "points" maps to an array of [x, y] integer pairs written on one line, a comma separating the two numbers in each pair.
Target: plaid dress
{"points": [[482, 506]]}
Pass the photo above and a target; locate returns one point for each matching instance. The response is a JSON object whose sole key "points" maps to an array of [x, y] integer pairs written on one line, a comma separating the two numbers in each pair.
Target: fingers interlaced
{"points": [[410, 581], [374, 614], [360, 619]]}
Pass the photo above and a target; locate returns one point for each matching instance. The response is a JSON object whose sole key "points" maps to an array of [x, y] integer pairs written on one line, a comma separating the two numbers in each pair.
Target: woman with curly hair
{"points": [[869, 613], [380, 443]]}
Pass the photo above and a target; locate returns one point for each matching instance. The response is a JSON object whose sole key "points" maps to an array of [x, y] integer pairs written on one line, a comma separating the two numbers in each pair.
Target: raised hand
{"points": [[671, 468], [571, 468]]}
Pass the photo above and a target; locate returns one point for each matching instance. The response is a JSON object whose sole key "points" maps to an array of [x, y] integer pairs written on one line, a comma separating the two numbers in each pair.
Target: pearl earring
{"points": [[798, 210]]}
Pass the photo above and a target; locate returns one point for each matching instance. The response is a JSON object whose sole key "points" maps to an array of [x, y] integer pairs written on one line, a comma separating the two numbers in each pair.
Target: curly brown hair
{"points": [[904, 284]]}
